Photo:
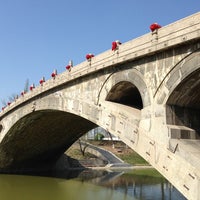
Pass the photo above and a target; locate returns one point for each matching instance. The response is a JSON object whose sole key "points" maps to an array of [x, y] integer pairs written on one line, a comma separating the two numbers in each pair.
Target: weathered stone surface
{"points": [[147, 94]]}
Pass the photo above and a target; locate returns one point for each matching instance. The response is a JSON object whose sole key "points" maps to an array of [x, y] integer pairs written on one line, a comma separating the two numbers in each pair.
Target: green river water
{"points": [[87, 185]]}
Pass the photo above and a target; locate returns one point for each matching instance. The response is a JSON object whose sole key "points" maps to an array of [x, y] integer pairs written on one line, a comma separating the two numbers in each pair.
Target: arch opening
{"points": [[127, 94], [38, 139], [183, 105]]}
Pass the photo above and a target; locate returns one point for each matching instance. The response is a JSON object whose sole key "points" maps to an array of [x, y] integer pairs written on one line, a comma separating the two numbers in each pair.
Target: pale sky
{"points": [[38, 36]]}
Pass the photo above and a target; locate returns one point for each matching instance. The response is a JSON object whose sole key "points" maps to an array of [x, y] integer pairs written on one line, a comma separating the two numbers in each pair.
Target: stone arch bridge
{"points": [[147, 93]]}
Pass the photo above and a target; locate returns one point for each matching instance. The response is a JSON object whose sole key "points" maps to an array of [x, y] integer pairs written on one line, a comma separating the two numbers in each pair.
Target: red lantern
{"points": [[42, 81], [31, 87], [68, 67], [89, 56], [8, 103], [53, 75], [23, 93], [115, 45], [154, 26]]}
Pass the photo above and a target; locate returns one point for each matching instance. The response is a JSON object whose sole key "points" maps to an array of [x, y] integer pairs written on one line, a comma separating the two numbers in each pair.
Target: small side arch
{"points": [[121, 85]]}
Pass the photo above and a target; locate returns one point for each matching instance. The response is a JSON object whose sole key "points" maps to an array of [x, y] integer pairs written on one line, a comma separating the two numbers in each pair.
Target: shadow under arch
{"points": [[38, 139], [183, 105], [183, 99], [125, 93], [1, 128]]}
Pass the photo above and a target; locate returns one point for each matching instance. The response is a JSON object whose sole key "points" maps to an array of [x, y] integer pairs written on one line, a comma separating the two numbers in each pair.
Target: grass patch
{"points": [[146, 172], [146, 175], [133, 158], [74, 152]]}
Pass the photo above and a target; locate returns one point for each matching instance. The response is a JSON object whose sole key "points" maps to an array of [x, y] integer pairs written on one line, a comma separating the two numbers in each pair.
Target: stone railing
{"points": [[177, 33]]}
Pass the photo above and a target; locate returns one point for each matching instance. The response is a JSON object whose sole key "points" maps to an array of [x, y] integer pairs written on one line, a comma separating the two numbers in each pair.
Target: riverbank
{"points": [[104, 155]]}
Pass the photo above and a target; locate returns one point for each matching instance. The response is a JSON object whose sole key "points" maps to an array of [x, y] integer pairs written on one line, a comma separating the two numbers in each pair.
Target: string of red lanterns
{"points": [[115, 46]]}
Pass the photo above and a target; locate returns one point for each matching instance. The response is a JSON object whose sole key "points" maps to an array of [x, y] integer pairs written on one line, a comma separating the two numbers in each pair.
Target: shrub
{"points": [[99, 136]]}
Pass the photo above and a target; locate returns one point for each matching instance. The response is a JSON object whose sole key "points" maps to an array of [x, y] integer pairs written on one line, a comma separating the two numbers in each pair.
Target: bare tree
{"points": [[26, 86], [13, 96], [3, 102], [113, 144], [83, 146]]}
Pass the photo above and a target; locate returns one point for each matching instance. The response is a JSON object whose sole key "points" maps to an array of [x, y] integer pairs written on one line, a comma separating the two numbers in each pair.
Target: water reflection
{"points": [[88, 185], [41, 188], [140, 186]]}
